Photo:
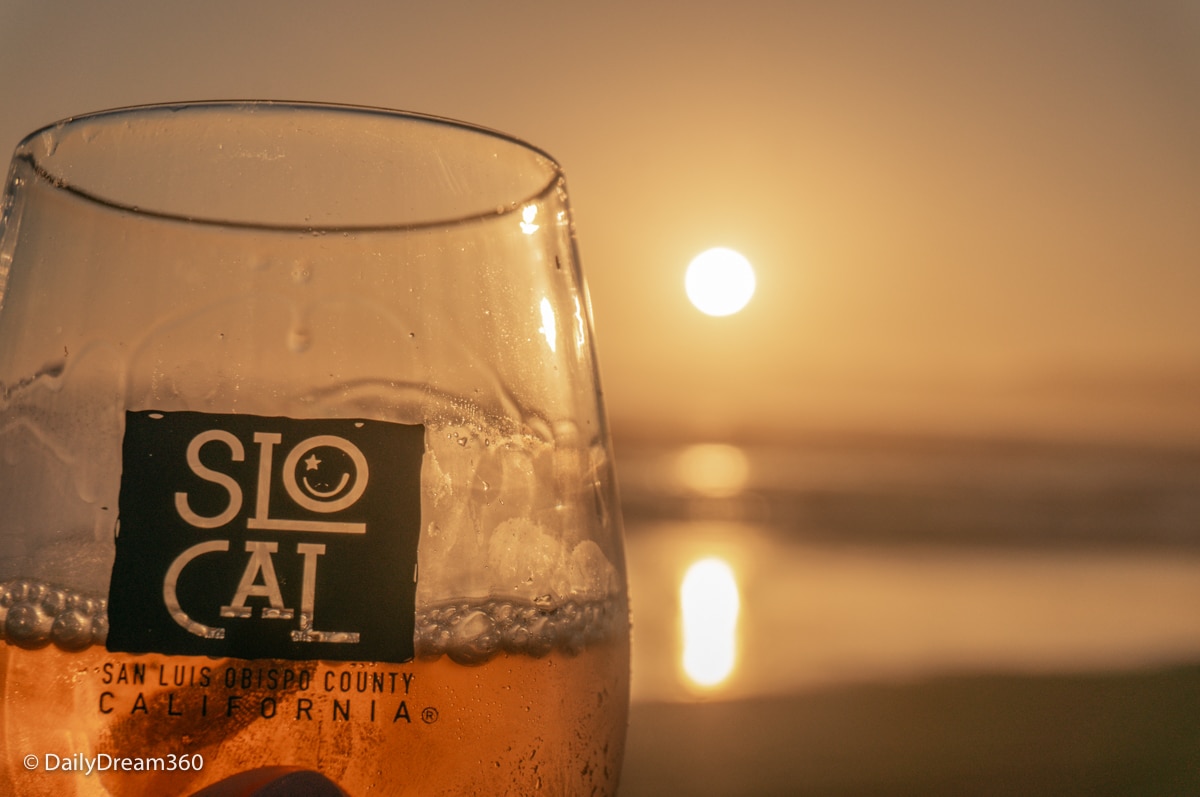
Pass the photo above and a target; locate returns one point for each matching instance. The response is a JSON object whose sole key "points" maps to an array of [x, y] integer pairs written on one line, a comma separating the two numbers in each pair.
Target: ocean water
{"points": [[889, 561]]}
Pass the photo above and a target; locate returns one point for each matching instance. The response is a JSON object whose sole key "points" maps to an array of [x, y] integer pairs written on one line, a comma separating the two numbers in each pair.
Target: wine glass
{"points": [[303, 460]]}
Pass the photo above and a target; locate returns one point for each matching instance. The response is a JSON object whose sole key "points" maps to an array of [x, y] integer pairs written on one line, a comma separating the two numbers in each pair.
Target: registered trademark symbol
{"points": [[429, 715]]}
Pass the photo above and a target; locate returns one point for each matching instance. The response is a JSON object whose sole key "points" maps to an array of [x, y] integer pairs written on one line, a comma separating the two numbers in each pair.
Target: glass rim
{"points": [[26, 151]]}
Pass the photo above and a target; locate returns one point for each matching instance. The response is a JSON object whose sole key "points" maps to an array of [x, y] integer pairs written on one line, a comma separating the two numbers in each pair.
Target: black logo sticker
{"points": [[257, 537]]}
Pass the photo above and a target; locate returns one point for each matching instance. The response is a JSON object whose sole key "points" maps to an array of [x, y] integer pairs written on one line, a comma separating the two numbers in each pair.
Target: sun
{"points": [[719, 282]]}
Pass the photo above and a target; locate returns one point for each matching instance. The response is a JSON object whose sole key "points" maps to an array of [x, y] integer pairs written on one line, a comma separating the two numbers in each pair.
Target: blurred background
{"points": [[942, 471]]}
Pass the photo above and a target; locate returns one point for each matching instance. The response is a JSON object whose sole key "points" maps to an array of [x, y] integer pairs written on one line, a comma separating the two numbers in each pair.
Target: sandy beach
{"points": [[1128, 734]]}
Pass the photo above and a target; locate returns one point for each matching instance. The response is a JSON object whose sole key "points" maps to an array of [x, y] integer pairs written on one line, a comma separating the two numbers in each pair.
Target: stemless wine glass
{"points": [[303, 462]]}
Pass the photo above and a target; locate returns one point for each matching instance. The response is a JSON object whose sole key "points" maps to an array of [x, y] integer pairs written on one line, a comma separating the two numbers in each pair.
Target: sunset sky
{"points": [[965, 218]]}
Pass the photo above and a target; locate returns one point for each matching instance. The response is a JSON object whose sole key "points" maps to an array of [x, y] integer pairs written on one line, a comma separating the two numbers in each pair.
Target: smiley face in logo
{"points": [[325, 474]]}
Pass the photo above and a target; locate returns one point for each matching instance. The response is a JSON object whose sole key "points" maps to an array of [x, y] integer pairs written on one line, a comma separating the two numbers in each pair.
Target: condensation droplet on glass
{"points": [[299, 339], [301, 273], [49, 143], [462, 441]]}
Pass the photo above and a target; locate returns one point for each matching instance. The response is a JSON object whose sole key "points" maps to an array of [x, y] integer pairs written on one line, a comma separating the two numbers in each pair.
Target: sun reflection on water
{"points": [[710, 601]]}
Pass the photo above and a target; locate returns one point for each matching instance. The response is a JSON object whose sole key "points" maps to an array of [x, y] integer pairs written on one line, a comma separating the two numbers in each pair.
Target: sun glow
{"points": [[710, 602], [713, 469], [719, 282], [528, 214], [549, 328]]}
